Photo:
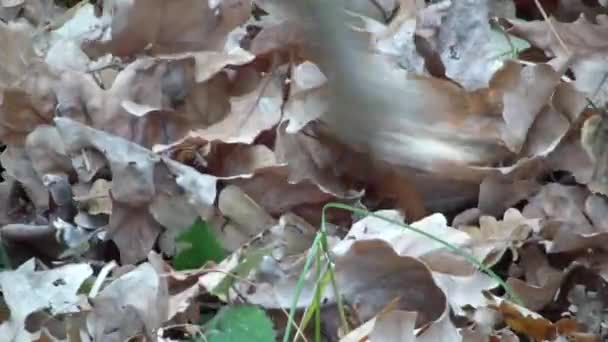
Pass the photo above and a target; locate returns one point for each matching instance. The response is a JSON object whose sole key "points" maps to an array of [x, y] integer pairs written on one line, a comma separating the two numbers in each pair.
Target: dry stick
{"points": [[299, 332], [103, 274]]}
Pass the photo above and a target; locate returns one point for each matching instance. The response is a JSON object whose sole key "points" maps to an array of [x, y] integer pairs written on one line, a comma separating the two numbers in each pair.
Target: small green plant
{"points": [[238, 323], [319, 253], [198, 246]]}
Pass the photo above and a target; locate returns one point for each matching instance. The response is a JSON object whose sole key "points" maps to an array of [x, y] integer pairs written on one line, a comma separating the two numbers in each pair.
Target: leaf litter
{"points": [[268, 170]]}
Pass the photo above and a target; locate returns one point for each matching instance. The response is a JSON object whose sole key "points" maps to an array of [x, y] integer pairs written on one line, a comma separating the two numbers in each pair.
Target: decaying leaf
{"points": [[184, 25], [26, 291], [134, 303], [122, 122]]}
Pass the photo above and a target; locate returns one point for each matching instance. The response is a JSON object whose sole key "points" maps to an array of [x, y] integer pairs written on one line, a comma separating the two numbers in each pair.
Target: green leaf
{"points": [[198, 245], [239, 323]]}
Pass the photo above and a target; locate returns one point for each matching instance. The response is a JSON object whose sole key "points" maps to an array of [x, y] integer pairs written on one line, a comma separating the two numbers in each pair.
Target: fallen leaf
{"points": [[26, 291], [394, 326], [585, 43], [175, 28], [250, 114], [134, 303]]}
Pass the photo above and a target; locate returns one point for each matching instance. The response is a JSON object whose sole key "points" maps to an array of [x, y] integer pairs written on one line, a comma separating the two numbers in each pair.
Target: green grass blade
{"points": [[312, 254]]}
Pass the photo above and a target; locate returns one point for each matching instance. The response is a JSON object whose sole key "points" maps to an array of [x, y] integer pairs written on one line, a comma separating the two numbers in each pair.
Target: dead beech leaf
{"points": [[133, 230], [307, 96], [180, 26], [497, 193], [230, 161], [26, 291], [569, 216], [405, 241], [394, 326], [370, 275], [307, 158], [97, 200], [209, 63], [143, 184], [132, 166], [361, 265], [26, 98], [45, 148], [249, 115], [592, 139], [570, 155], [18, 52], [493, 237], [525, 90], [467, 48], [542, 280], [271, 189], [135, 303], [246, 217], [122, 109], [277, 37], [18, 165], [586, 43], [526, 322]]}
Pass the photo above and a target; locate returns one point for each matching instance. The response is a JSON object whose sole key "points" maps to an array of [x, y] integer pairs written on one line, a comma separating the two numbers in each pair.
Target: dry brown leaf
{"points": [[525, 91], [586, 45], [45, 149], [561, 203], [526, 322], [146, 190], [360, 268], [542, 280], [179, 26], [229, 161], [245, 218], [566, 213], [135, 303], [592, 141], [309, 159], [136, 91], [395, 325], [28, 291], [97, 200], [463, 39], [18, 165], [285, 35], [455, 276], [307, 96], [250, 115], [26, 98], [270, 188], [498, 193], [133, 230], [570, 155], [571, 10], [493, 237]]}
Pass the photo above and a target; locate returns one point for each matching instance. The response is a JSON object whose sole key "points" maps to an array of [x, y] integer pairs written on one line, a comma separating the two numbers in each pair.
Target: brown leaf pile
{"points": [[479, 122]]}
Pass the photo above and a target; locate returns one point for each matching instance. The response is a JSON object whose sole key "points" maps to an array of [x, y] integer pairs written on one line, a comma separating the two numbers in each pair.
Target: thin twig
{"points": [[103, 274], [552, 27]]}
